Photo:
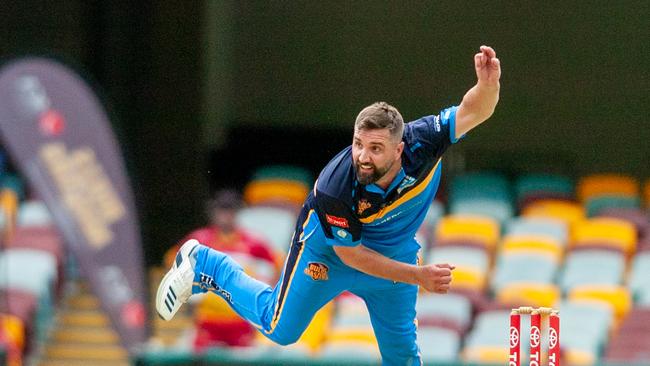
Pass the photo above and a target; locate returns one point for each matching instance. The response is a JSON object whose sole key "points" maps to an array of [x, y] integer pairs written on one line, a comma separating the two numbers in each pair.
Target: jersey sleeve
{"points": [[340, 224], [433, 133]]}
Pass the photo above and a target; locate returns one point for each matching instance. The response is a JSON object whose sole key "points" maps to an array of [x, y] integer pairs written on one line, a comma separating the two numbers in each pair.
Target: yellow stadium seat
{"points": [[607, 185], [465, 227], [468, 278], [612, 232], [489, 354], [275, 190], [9, 206], [618, 297], [529, 294], [577, 357], [543, 245], [565, 211], [13, 329], [646, 193], [315, 334]]}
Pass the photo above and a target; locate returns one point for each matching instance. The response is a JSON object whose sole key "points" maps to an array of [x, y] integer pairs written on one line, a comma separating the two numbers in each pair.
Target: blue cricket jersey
{"points": [[384, 220]]}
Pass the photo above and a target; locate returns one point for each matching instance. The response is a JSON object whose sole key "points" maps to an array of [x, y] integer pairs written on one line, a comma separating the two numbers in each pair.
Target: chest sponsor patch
{"points": [[337, 221], [317, 271]]}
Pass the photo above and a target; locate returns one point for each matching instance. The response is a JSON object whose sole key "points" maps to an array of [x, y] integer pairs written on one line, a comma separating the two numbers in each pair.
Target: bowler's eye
{"points": [[376, 149], [357, 144]]}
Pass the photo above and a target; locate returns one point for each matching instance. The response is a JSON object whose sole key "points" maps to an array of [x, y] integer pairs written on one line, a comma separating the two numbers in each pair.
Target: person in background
{"points": [[216, 323]]}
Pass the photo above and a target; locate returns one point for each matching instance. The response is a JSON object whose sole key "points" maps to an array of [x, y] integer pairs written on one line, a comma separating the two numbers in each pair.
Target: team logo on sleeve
{"points": [[362, 206], [317, 271], [337, 221]]}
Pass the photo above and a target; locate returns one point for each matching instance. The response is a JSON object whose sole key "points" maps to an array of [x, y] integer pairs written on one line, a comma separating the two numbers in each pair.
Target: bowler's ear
{"points": [[400, 147]]}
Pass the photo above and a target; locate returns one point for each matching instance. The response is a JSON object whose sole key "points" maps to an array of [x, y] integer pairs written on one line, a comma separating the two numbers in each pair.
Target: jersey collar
{"points": [[373, 188]]}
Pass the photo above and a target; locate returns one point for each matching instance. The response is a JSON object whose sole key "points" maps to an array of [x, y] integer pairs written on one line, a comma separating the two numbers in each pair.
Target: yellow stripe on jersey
{"points": [[412, 193]]}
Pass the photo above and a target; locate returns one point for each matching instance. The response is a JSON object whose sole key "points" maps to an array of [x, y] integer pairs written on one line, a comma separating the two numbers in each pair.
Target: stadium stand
{"points": [[584, 254]]}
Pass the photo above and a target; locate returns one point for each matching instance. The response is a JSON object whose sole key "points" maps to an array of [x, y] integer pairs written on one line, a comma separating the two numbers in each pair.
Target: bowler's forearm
{"points": [[370, 262], [477, 106]]}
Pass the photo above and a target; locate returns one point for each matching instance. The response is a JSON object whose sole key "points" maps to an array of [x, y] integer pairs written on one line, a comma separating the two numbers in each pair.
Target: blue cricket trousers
{"points": [[312, 276]]}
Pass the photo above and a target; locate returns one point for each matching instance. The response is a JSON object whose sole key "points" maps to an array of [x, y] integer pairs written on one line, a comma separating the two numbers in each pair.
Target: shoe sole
{"points": [[160, 302]]}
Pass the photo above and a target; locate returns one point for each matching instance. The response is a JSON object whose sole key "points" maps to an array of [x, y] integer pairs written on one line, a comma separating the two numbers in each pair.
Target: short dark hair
{"points": [[381, 115]]}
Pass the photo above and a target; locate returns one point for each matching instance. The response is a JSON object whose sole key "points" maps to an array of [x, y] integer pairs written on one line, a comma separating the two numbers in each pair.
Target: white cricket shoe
{"points": [[176, 287]]}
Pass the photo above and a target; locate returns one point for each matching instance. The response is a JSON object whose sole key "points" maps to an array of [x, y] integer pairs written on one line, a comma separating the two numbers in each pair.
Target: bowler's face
{"points": [[374, 152]]}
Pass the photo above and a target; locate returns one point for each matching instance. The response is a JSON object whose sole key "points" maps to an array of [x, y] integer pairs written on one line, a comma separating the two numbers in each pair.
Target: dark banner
{"points": [[59, 135]]}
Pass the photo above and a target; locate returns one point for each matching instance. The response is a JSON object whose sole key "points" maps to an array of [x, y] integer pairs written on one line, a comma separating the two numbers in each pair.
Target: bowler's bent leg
{"points": [[311, 278]]}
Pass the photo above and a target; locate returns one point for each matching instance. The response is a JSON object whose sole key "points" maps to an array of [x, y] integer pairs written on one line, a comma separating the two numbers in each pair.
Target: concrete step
{"points": [[83, 302], [84, 335], [83, 363], [83, 319], [88, 353]]}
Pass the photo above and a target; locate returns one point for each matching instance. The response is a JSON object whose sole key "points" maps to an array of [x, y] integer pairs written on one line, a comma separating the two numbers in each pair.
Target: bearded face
{"points": [[374, 154]]}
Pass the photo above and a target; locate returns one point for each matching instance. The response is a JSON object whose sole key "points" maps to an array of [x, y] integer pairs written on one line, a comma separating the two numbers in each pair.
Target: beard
{"points": [[369, 177]]}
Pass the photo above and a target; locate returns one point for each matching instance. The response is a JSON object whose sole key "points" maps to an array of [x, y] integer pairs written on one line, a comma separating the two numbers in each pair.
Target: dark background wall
{"points": [[204, 91]]}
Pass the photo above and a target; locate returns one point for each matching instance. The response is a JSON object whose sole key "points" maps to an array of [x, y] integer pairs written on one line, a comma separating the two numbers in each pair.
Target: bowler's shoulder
{"points": [[336, 180]]}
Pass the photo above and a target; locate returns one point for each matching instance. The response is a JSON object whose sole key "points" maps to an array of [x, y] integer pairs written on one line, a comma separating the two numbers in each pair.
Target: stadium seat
{"points": [[539, 227], [565, 211], [596, 205], [42, 238], [479, 185], [14, 183], [639, 279], [618, 297], [585, 328], [34, 213], [33, 271], [273, 224], [479, 229], [351, 333], [472, 258], [487, 341], [465, 278], [449, 310], [523, 267], [529, 294], [438, 344], [9, 208], [636, 216], [608, 232], [497, 209], [543, 245], [535, 187], [592, 267], [13, 330], [289, 172], [23, 305], [631, 342], [605, 185], [275, 191]]}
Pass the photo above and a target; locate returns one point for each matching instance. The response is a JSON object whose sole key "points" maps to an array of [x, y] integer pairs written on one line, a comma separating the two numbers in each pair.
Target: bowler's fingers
{"points": [[478, 60], [495, 63], [446, 265], [488, 51]]}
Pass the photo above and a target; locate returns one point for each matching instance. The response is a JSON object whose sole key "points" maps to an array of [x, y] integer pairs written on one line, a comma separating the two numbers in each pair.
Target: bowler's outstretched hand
{"points": [[488, 66]]}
